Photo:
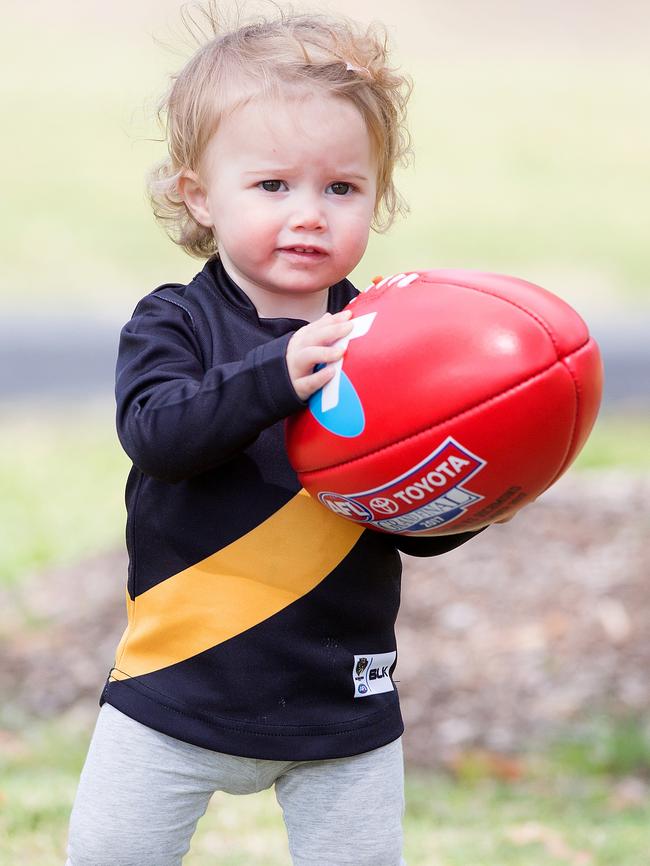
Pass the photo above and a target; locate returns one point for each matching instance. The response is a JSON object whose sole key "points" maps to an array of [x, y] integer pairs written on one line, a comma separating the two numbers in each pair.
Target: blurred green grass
{"points": [[532, 168], [553, 813], [62, 480], [618, 441]]}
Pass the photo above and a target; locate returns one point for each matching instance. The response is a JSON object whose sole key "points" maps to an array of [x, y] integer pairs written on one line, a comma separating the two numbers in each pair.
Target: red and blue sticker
{"points": [[337, 407]]}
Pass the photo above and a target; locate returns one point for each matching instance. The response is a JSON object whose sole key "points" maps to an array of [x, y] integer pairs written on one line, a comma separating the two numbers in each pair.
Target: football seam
{"points": [[578, 405], [537, 318], [468, 411]]}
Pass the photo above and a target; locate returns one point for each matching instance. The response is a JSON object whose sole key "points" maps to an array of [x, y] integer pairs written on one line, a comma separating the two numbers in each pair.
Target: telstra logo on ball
{"points": [[337, 406]]}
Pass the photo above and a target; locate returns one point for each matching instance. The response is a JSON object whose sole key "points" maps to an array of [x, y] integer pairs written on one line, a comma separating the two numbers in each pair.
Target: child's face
{"points": [[280, 176]]}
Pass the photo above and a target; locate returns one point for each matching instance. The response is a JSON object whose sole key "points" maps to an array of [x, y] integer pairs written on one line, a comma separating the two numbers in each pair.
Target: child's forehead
{"points": [[274, 128], [291, 112]]}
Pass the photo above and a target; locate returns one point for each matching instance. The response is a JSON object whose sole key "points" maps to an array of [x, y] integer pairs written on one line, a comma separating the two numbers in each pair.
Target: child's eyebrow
{"points": [[269, 170], [354, 176], [275, 171]]}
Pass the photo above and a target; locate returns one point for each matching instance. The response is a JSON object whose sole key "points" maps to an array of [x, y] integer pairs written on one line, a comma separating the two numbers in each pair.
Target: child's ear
{"points": [[195, 197]]}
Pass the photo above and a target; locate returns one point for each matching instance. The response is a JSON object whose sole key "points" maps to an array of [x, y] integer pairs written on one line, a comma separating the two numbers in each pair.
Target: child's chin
{"points": [[308, 280]]}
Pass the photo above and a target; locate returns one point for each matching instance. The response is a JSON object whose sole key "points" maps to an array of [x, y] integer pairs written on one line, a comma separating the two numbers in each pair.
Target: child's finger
{"points": [[326, 322], [329, 320], [326, 335], [310, 356], [330, 333], [308, 385]]}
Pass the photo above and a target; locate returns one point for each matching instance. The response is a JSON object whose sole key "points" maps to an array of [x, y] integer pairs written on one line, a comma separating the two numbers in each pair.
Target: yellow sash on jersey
{"points": [[232, 590]]}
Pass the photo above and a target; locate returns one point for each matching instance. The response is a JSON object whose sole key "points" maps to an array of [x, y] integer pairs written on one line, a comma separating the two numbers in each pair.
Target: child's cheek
{"points": [[263, 225]]}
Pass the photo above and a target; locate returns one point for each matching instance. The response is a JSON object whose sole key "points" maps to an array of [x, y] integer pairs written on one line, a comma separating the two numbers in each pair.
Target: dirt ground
{"points": [[522, 632]]}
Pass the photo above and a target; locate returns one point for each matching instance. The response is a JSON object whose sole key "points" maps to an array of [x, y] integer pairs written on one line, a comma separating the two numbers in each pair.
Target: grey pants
{"points": [[141, 794]]}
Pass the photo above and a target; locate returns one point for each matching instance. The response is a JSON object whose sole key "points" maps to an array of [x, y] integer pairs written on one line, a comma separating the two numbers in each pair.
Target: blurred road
{"points": [[74, 358]]}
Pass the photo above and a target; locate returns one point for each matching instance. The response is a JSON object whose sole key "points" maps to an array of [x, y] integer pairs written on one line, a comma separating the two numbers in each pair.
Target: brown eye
{"points": [[340, 188], [271, 185]]}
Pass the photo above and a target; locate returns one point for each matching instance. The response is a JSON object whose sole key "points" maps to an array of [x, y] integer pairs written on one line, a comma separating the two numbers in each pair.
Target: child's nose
{"points": [[308, 215]]}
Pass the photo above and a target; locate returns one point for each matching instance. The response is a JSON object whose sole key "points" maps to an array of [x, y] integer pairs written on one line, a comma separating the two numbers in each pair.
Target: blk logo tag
{"points": [[371, 674]]}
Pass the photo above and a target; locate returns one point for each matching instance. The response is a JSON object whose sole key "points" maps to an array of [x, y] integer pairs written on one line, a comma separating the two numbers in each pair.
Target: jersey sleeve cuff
{"points": [[273, 378]]}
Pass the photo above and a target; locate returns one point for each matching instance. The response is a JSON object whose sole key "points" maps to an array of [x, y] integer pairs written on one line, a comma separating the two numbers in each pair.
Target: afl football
{"points": [[461, 397]]}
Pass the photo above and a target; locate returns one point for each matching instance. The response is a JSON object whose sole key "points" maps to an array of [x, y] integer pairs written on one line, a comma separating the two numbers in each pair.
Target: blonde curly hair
{"points": [[272, 58]]}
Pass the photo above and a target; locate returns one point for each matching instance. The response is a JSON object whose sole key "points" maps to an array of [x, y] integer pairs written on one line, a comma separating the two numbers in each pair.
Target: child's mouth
{"points": [[303, 253]]}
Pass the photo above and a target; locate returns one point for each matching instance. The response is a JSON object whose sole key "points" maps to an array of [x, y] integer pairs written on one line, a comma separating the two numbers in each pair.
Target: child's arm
{"points": [[174, 418]]}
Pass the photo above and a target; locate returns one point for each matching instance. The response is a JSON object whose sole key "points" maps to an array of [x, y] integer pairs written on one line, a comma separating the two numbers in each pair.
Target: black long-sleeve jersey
{"points": [[260, 623]]}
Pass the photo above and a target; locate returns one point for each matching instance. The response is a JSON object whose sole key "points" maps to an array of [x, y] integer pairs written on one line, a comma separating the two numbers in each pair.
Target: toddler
{"points": [[252, 610]]}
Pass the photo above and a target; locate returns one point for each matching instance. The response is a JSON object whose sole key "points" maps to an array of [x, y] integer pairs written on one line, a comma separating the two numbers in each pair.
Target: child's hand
{"points": [[313, 344]]}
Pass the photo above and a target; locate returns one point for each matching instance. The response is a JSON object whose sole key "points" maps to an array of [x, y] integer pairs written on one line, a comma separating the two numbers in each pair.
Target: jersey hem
{"points": [[311, 743]]}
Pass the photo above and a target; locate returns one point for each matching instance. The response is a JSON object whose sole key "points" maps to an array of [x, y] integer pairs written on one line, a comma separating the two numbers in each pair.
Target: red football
{"points": [[461, 397]]}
